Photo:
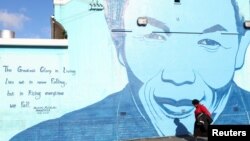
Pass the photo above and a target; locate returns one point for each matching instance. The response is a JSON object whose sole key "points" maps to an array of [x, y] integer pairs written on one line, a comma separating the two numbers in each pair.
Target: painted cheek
{"points": [[217, 68], [217, 75], [142, 59]]}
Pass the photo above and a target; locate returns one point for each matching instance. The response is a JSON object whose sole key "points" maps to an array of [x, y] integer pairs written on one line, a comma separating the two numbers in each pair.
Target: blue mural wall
{"points": [[136, 81]]}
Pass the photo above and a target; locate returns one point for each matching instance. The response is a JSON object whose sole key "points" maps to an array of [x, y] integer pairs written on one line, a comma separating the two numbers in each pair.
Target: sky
{"points": [[27, 18]]}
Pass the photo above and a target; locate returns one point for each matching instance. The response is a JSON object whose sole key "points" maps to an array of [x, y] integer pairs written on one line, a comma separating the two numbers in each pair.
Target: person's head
{"points": [[186, 51], [195, 102]]}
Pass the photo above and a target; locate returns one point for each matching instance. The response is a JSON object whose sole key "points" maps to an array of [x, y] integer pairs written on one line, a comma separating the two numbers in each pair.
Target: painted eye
{"points": [[154, 36], [209, 45], [208, 42]]}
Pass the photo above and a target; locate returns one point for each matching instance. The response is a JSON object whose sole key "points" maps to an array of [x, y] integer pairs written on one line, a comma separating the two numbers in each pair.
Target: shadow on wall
{"points": [[180, 129]]}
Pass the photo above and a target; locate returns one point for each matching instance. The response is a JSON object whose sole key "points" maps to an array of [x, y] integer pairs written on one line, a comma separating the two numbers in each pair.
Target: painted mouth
{"points": [[173, 108]]}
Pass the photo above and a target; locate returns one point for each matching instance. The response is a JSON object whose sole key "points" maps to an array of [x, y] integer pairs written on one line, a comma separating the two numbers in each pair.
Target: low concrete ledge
{"points": [[172, 138]]}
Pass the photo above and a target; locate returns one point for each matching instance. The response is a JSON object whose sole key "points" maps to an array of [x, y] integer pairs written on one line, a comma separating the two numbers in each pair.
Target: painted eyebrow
{"points": [[214, 28], [158, 24], [219, 27]]}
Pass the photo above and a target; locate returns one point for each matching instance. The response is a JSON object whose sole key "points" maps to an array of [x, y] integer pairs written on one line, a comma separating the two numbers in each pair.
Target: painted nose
{"points": [[178, 65], [178, 77]]}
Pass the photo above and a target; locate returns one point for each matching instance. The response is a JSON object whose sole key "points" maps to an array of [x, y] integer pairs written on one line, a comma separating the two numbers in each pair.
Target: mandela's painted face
{"points": [[180, 56]]}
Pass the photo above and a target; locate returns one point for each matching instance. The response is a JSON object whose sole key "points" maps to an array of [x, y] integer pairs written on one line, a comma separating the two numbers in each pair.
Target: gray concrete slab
{"points": [[172, 138]]}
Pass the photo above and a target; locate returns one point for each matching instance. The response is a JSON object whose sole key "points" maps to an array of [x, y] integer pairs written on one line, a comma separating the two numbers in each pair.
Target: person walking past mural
{"points": [[203, 119]]}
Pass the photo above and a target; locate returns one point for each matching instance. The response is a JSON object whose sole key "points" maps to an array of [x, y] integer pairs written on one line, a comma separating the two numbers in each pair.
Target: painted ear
{"points": [[243, 45]]}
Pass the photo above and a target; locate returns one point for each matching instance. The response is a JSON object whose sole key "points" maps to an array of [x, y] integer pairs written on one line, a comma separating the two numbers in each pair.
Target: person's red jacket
{"points": [[201, 109]]}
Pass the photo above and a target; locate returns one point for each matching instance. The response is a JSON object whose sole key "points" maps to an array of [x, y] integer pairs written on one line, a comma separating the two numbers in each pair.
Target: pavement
{"points": [[173, 138]]}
